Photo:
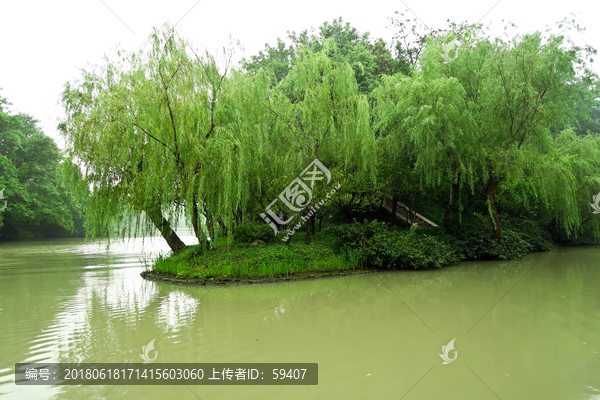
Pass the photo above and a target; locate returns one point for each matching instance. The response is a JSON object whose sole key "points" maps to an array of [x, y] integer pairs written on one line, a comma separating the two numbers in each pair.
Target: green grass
{"points": [[242, 261]]}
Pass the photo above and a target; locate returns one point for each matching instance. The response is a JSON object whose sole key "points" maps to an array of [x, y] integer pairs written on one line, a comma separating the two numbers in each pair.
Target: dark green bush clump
{"points": [[374, 244], [530, 231], [248, 233], [587, 236], [473, 238]]}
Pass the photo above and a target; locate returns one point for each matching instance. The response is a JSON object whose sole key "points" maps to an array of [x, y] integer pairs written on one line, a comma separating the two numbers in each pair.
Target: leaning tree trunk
{"points": [[223, 227], [497, 221], [195, 222], [196, 225], [289, 239], [160, 222]]}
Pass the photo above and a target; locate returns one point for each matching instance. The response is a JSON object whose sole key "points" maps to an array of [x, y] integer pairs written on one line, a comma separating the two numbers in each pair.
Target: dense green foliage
{"points": [[375, 244], [483, 121], [250, 232], [36, 204], [472, 238]]}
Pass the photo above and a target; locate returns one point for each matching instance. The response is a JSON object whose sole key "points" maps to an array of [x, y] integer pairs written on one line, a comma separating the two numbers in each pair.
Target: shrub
{"points": [[248, 233], [530, 231], [473, 238], [587, 236], [374, 244]]}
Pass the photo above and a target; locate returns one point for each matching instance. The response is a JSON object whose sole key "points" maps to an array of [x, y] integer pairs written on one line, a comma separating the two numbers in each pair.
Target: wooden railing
{"points": [[406, 214]]}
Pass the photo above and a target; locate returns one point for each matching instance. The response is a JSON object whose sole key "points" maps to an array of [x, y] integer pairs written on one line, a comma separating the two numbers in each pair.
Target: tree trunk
{"points": [[238, 216], [467, 208], [221, 224], [196, 225], [195, 222], [159, 221], [211, 227], [347, 213], [448, 211], [412, 211], [498, 229], [551, 226], [308, 224], [394, 209], [449, 206], [312, 223]]}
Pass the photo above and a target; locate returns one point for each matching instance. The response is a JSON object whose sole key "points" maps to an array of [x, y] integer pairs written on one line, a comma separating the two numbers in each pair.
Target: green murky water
{"points": [[528, 329]]}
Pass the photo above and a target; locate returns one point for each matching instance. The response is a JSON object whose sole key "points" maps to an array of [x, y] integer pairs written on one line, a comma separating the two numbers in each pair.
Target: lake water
{"points": [[527, 329]]}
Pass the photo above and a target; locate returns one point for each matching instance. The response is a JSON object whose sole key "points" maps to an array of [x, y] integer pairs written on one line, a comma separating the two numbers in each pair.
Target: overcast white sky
{"points": [[44, 43]]}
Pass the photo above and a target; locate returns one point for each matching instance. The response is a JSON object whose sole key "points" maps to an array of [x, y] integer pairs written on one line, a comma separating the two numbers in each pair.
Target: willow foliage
{"points": [[319, 103], [485, 120], [164, 133], [320, 114]]}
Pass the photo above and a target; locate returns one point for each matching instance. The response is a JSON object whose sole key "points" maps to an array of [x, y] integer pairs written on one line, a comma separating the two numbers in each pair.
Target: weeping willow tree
{"points": [[157, 135], [484, 121], [319, 114], [560, 182]]}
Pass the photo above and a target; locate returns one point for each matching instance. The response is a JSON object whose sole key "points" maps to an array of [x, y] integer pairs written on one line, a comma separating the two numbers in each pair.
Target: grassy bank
{"points": [[242, 261]]}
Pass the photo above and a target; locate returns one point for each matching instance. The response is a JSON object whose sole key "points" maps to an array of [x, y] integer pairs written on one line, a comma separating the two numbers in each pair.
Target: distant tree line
{"points": [[35, 204]]}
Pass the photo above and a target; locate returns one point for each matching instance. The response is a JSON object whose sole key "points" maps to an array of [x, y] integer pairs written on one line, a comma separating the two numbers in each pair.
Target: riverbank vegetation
{"points": [[494, 140]]}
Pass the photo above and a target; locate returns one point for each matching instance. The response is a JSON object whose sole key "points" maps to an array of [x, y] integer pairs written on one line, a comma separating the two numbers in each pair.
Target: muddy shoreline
{"points": [[226, 280]]}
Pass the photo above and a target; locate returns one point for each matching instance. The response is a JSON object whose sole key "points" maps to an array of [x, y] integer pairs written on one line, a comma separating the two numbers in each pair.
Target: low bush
{"points": [[587, 236], [375, 244], [248, 233], [473, 238], [531, 232]]}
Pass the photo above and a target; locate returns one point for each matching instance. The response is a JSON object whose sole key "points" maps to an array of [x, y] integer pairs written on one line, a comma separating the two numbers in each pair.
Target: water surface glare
{"points": [[527, 329]]}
